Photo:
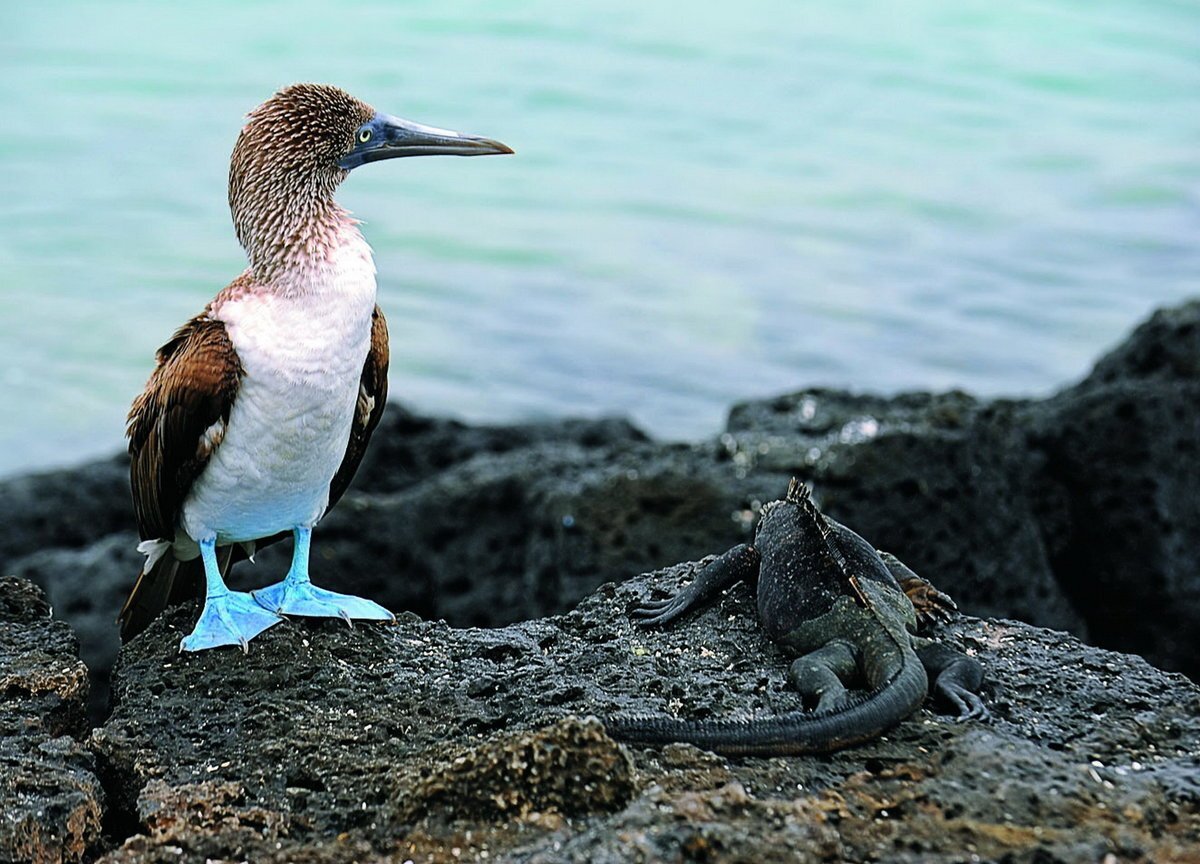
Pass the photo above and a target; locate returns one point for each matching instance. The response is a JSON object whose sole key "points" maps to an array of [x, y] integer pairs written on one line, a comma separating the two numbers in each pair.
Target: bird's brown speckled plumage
{"points": [[284, 171]]}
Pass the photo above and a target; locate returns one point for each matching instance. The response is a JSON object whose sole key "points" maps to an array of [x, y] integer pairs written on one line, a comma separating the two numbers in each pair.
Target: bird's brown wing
{"points": [[173, 428], [372, 395]]}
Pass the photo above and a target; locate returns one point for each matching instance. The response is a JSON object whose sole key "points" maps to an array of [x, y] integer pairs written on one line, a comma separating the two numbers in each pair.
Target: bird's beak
{"points": [[391, 137]]}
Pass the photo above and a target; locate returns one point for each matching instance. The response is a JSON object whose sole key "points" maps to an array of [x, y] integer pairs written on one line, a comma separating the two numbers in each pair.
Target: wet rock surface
{"points": [[407, 742]]}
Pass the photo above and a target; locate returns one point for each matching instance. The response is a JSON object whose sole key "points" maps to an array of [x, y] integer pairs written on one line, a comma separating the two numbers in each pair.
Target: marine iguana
{"points": [[847, 611]]}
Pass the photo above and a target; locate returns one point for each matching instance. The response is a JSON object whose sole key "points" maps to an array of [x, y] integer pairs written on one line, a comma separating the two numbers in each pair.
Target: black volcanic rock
{"points": [[87, 587], [1163, 348], [1078, 512], [525, 533], [408, 447], [50, 798], [70, 507], [1118, 484], [1072, 512], [402, 742], [942, 481]]}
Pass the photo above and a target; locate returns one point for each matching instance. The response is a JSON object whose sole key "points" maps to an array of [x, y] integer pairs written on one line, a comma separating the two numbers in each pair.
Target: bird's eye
{"points": [[364, 135]]}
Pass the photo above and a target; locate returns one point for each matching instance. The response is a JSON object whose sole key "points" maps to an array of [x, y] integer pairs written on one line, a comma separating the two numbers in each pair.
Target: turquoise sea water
{"points": [[709, 200]]}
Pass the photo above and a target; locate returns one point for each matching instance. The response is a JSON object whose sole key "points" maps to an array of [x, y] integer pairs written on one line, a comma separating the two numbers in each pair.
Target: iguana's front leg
{"points": [[929, 603], [740, 562]]}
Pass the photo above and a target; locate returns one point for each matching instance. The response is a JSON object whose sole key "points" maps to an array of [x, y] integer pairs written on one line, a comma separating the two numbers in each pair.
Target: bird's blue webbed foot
{"points": [[229, 617], [304, 598], [296, 595]]}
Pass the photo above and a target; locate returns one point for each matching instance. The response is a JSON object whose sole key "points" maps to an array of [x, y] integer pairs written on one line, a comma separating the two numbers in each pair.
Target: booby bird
{"points": [[259, 409]]}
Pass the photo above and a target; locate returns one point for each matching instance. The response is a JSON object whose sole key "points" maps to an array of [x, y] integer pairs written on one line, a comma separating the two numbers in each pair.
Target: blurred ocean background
{"points": [[710, 201]]}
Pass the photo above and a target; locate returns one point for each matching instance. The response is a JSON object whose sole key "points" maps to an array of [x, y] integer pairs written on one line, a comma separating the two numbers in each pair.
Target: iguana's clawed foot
{"points": [[970, 706], [929, 603], [659, 613], [740, 562]]}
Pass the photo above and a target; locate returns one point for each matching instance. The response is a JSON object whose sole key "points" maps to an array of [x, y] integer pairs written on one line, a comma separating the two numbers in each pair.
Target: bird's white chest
{"points": [[302, 353]]}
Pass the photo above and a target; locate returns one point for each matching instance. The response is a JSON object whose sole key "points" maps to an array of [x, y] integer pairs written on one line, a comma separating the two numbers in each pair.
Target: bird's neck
{"points": [[291, 234]]}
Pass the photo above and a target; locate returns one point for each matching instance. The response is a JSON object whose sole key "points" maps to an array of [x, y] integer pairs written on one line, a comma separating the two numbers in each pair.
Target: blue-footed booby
{"points": [[259, 409]]}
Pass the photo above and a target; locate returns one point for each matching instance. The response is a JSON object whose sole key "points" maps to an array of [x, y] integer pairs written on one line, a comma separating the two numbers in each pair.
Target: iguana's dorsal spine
{"points": [[799, 494]]}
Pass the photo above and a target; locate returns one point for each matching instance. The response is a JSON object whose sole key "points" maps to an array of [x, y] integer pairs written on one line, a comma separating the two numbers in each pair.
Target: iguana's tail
{"points": [[796, 732]]}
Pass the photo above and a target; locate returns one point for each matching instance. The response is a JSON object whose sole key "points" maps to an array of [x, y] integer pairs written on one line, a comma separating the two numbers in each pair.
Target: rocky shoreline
{"points": [[1072, 513]]}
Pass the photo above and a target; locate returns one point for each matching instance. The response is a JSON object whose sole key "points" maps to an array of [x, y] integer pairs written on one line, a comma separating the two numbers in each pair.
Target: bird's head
{"points": [[302, 142]]}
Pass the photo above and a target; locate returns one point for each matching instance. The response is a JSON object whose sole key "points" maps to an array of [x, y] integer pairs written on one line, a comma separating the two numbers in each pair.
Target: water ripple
{"points": [[741, 200]]}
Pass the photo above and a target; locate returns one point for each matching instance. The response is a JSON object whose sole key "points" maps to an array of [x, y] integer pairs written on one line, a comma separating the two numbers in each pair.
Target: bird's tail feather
{"points": [[164, 581]]}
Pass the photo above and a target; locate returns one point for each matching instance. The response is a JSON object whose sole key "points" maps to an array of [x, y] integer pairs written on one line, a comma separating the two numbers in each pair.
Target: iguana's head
{"points": [[796, 508]]}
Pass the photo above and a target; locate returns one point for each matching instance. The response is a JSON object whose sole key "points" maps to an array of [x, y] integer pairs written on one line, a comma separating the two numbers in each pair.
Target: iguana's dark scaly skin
{"points": [[847, 611]]}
